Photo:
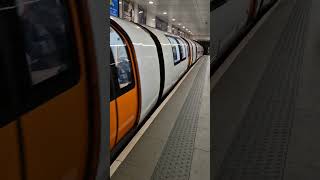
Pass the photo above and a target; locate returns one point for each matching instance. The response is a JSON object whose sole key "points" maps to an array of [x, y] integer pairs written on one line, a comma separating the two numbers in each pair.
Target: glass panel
{"points": [[175, 50], [183, 48], [47, 43], [121, 60]]}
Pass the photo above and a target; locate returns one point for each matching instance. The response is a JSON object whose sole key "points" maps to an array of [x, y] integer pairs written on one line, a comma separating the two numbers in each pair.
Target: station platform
{"points": [[266, 105], [174, 144]]}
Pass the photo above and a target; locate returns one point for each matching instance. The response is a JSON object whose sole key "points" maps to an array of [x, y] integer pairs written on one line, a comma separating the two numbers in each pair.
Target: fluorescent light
{"points": [[150, 2], [173, 19], [120, 2], [153, 19], [165, 12], [179, 24], [140, 12], [183, 27]]}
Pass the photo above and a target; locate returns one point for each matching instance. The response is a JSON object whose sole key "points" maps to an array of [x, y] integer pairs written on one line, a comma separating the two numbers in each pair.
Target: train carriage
{"points": [[155, 61]]}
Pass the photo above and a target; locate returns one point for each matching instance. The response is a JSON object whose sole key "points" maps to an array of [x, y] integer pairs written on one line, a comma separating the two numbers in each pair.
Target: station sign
{"points": [[114, 8]]}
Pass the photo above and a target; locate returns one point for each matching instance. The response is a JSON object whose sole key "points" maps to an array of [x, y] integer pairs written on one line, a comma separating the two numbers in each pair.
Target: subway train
{"points": [[146, 63], [54, 94], [230, 20]]}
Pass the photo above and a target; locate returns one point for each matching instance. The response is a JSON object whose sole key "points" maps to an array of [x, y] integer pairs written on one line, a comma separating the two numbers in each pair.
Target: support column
{"points": [[151, 19], [136, 12]]}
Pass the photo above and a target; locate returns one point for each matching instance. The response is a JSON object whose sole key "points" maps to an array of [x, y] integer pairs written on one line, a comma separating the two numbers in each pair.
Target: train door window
{"points": [[46, 41], [42, 58], [175, 50], [122, 61]]}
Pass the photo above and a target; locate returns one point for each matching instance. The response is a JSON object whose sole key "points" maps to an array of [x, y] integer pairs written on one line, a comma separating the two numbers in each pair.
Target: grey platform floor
{"points": [[177, 144], [266, 107]]}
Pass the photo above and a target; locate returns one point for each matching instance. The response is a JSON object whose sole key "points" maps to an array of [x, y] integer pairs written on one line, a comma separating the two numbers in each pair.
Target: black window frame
{"points": [[27, 96]]}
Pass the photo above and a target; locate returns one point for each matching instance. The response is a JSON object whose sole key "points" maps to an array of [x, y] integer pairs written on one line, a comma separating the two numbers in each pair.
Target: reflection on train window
{"points": [[121, 60], [182, 49], [175, 50], [175, 55], [46, 41]]}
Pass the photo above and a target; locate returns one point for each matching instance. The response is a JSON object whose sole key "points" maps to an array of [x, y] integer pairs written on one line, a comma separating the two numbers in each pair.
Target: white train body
{"points": [[147, 53]]}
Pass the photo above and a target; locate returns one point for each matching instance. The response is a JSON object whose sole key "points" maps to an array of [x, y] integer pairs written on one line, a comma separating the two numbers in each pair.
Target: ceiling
{"points": [[193, 14]]}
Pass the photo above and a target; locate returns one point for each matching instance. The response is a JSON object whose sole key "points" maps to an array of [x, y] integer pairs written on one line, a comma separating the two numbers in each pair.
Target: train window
{"points": [[45, 38], [121, 60], [175, 49], [182, 49], [38, 53]]}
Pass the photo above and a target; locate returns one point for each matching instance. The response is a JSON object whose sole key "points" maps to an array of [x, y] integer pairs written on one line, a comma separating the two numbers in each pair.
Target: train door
{"points": [[195, 44], [194, 52], [124, 81], [185, 49], [113, 106], [43, 61], [190, 51], [182, 48]]}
